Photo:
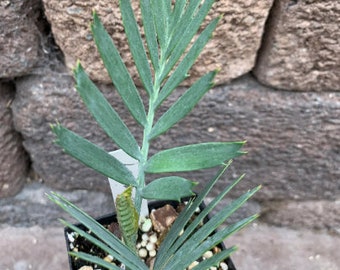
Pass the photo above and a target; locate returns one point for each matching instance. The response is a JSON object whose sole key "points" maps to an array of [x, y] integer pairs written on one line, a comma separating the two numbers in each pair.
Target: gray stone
{"points": [[31, 207], [233, 48], [301, 46], [33, 248], [314, 215], [20, 37], [14, 162]]}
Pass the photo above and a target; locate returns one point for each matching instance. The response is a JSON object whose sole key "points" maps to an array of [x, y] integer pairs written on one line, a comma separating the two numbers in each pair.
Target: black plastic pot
{"points": [[111, 218]]}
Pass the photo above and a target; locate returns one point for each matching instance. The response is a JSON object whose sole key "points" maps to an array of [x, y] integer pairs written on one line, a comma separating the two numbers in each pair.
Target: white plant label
{"points": [[118, 188]]}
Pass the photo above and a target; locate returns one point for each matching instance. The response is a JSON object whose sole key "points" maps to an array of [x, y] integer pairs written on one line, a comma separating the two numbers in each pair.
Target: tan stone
{"points": [[233, 48], [301, 48], [162, 218], [13, 159], [20, 42], [31, 206]]}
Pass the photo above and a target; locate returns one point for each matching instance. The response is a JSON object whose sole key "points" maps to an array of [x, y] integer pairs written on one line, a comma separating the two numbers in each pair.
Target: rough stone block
{"points": [[13, 159], [233, 48], [20, 42], [292, 138], [301, 46]]}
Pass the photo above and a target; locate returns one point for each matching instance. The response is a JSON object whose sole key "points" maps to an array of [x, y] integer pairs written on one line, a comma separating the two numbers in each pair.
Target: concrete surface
{"points": [[272, 248], [260, 247]]}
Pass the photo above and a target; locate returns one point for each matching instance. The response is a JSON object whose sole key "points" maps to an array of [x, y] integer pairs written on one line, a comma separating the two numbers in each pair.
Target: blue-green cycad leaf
{"points": [[196, 248], [178, 10], [105, 240], [168, 188], [118, 71], [202, 215], [160, 13], [193, 157], [150, 32], [136, 44], [189, 22], [206, 237], [183, 105], [189, 59], [196, 238], [164, 251], [94, 259], [182, 20], [184, 37], [92, 156], [104, 114]]}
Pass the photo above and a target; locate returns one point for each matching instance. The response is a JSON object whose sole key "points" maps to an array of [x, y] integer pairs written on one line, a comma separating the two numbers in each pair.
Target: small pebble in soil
{"points": [[150, 246], [208, 254], [142, 253], [108, 258], [153, 238], [70, 237], [146, 225], [223, 266], [86, 268], [193, 264], [145, 237], [152, 253]]}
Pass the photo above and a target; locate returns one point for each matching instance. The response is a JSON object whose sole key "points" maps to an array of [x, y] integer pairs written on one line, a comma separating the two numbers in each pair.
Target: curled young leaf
{"points": [[127, 218]]}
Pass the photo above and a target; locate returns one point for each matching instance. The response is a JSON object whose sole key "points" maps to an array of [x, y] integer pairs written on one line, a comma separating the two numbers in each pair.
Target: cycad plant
{"points": [[172, 44]]}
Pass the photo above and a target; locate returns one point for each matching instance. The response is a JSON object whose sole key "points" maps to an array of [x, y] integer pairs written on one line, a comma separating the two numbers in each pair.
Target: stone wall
{"points": [[279, 89]]}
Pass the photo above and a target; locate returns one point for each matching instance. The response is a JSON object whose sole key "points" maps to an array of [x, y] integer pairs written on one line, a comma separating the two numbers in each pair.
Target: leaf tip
{"points": [[55, 127], [95, 20], [94, 14], [217, 70], [77, 69]]}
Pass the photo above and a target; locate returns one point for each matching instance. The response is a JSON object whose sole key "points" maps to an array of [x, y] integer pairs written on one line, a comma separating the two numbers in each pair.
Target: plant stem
{"points": [[149, 124], [146, 143]]}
